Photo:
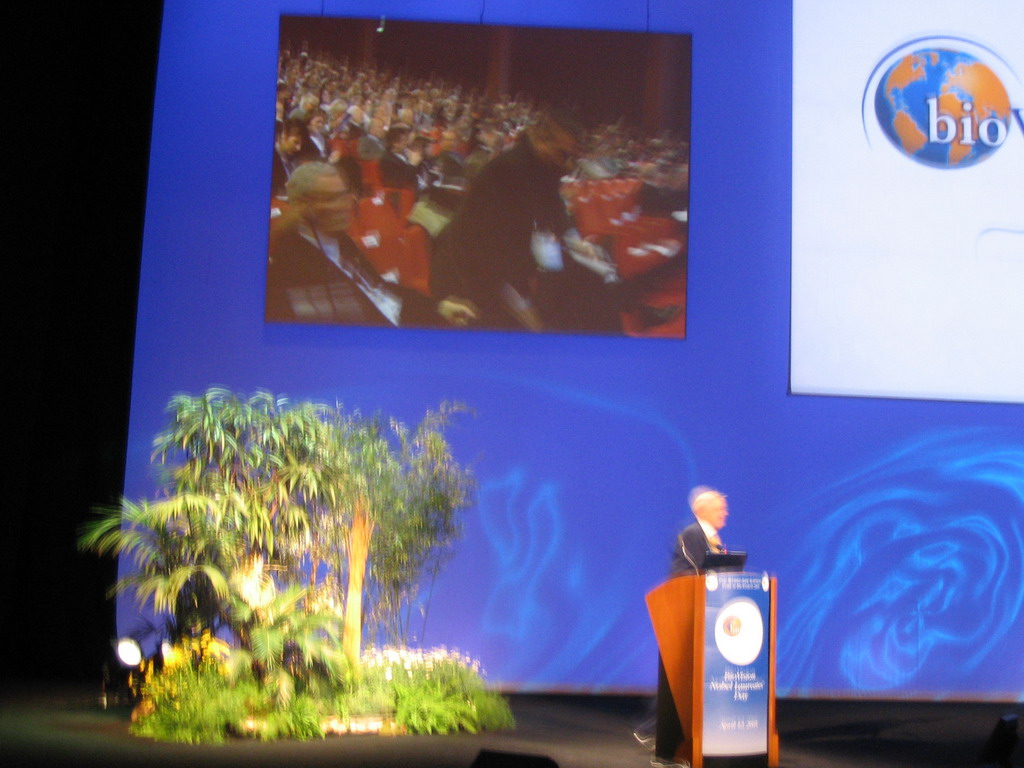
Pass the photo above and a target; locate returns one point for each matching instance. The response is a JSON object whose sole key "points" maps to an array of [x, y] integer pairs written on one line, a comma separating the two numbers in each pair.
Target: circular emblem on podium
{"points": [[739, 631]]}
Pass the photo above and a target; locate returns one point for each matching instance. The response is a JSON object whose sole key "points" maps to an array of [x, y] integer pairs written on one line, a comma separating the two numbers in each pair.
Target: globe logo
{"points": [[944, 108]]}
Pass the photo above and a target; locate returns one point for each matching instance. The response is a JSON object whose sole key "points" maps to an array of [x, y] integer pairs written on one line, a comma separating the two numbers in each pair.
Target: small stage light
{"points": [[129, 652]]}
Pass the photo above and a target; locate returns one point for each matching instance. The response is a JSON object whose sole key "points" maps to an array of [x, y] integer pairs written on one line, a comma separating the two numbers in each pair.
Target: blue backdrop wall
{"points": [[896, 528]]}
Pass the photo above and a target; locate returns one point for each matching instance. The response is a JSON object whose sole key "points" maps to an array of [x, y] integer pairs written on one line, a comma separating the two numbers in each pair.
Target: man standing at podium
{"points": [[700, 537], [691, 550]]}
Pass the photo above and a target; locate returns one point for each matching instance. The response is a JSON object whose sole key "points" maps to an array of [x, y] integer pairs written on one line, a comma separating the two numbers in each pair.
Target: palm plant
{"points": [[179, 561], [232, 466], [286, 646], [302, 490], [278, 523]]}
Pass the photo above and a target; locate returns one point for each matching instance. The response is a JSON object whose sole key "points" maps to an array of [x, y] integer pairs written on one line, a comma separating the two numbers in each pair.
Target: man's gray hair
{"points": [[301, 182], [699, 491]]}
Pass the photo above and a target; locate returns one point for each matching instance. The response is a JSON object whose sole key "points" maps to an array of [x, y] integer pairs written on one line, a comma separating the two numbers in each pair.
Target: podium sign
{"points": [[737, 670]]}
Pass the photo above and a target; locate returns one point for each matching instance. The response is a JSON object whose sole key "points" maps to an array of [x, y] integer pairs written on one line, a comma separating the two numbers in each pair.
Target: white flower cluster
{"points": [[393, 658]]}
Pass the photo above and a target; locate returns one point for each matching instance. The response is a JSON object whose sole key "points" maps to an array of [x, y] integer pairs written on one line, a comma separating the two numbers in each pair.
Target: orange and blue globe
{"points": [[943, 108]]}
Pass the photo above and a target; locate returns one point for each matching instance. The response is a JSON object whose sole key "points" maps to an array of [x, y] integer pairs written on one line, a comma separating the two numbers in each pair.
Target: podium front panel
{"points": [[737, 670]]}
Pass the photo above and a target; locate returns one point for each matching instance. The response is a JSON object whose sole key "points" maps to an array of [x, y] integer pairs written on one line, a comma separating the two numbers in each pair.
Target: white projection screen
{"points": [[908, 217]]}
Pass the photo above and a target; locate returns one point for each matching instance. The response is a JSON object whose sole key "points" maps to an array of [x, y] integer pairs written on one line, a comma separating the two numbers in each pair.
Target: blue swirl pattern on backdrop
{"points": [[912, 574], [579, 496]]}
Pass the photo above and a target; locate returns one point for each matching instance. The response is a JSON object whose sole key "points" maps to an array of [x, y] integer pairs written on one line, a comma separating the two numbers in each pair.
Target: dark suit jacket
{"points": [[488, 246], [279, 173], [397, 173], [304, 286], [691, 551]]}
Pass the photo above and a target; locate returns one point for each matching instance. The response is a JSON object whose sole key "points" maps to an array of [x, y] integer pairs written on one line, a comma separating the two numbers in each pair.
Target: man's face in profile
{"points": [[712, 509]]}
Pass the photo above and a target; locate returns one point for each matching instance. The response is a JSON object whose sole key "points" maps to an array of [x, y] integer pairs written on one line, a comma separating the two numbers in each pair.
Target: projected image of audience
{"points": [[480, 177]]}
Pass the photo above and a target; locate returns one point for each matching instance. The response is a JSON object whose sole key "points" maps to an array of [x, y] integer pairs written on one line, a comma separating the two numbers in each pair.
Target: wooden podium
{"points": [[679, 610]]}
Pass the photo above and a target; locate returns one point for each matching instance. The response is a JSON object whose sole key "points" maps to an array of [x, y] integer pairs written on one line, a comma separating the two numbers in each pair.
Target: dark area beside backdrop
{"points": [[83, 84]]}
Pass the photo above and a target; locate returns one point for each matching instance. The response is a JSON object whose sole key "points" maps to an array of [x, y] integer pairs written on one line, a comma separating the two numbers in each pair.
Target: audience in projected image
{"points": [[400, 163], [371, 143], [488, 142], [316, 130], [289, 137], [450, 162], [421, 149], [317, 274]]}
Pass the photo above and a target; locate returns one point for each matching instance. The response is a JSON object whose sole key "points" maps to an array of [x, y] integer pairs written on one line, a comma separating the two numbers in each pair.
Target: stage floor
{"points": [[63, 725]]}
